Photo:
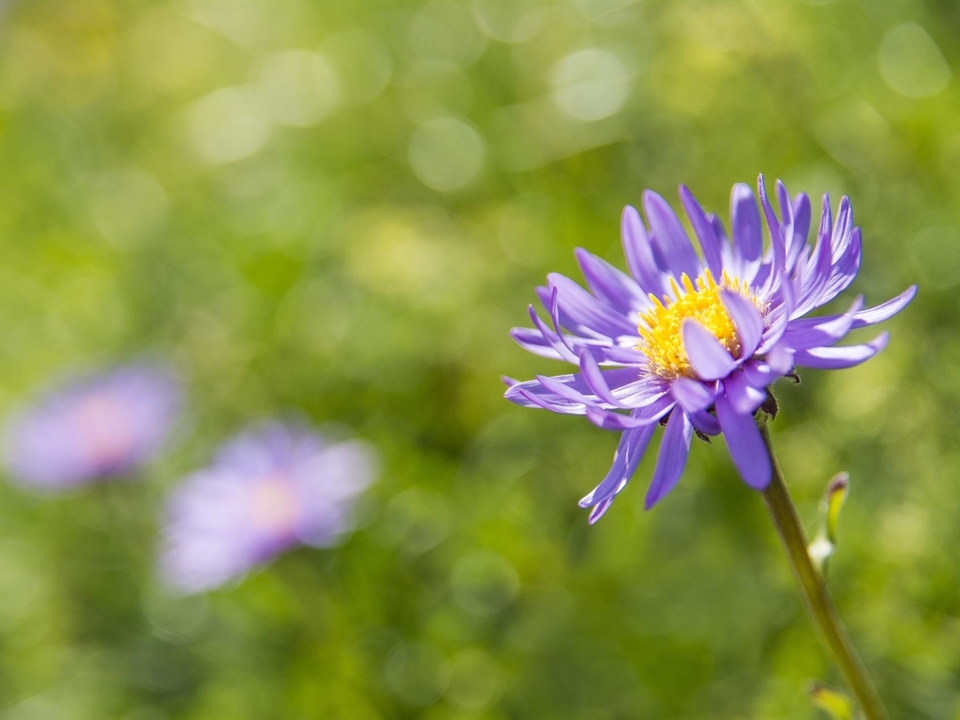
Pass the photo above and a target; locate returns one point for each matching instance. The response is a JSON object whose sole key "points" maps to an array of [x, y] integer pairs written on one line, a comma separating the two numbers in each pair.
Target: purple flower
{"points": [[693, 341], [271, 488], [100, 426]]}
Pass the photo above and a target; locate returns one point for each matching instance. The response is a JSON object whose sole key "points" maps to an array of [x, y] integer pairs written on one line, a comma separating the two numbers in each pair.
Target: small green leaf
{"points": [[833, 703], [836, 496], [825, 542]]}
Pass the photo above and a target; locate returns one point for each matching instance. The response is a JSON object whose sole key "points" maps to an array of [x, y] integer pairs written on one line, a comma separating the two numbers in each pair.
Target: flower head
{"points": [[693, 341], [271, 488], [100, 426]]}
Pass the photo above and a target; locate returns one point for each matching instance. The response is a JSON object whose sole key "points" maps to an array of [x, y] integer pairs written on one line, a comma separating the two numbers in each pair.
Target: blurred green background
{"points": [[339, 209]]}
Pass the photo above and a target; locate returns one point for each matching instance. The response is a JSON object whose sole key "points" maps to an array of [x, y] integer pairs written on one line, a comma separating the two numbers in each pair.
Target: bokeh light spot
{"points": [[911, 63], [590, 84], [298, 87], [228, 124], [446, 153]]}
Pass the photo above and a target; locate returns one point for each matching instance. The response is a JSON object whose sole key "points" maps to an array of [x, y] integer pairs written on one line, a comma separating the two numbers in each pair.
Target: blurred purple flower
{"points": [[694, 341], [99, 426], [271, 488]]}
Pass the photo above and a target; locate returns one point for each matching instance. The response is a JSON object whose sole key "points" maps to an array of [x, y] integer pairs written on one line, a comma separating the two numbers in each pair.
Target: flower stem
{"points": [[814, 590]]}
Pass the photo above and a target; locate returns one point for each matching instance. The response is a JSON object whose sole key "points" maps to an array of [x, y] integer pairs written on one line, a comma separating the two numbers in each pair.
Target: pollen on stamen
{"points": [[661, 327]]}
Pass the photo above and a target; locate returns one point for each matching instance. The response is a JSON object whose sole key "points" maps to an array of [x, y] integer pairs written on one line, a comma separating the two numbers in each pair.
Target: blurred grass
{"points": [[339, 210]]}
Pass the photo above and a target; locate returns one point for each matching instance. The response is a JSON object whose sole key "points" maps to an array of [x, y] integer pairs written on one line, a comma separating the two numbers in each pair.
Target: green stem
{"points": [[814, 590]]}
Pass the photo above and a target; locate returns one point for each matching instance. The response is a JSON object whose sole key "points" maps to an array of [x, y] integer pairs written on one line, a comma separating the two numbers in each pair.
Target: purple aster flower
{"points": [[271, 488], [100, 426], [692, 341]]}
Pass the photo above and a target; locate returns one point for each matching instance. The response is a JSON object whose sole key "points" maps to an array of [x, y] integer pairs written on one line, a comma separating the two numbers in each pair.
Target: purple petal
{"points": [[670, 237], [586, 310], [569, 393], [844, 270], [842, 229], [817, 332], [745, 444], [533, 341], [554, 337], [801, 228], [746, 318], [528, 397], [704, 230], [595, 380], [616, 380], [599, 510], [759, 374], [639, 252], [742, 395], [633, 443], [745, 226], [709, 359], [776, 228], [617, 354], [674, 449], [705, 423], [819, 266], [638, 417], [780, 359], [839, 358], [885, 310], [778, 316], [692, 395], [610, 285]]}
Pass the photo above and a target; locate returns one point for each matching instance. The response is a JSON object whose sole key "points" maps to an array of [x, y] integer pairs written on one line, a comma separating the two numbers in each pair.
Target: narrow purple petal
{"points": [[693, 395], [741, 393], [674, 449], [801, 228], [638, 417], [569, 393], [745, 226], [633, 443], [709, 359], [705, 423], [610, 285], [599, 510], [759, 374], [670, 237], [778, 315], [746, 318], [586, 310], [641, 392], [843, 271], [565, 390], [839, 358], [533, 341], [842, 229], [554, 337], [777, 229], [704, 230], [595, 380], [745, 444], [639, 252], [781, 359], [884, 311], [819, 266], [528, 397], [816, 332]]}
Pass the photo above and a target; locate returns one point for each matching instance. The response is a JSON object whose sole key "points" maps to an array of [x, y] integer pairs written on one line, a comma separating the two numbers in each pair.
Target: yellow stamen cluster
{"points": [[661, 327]]}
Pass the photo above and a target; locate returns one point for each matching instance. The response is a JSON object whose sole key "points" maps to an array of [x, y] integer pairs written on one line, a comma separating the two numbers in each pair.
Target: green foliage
{"points": [[339, 210]]}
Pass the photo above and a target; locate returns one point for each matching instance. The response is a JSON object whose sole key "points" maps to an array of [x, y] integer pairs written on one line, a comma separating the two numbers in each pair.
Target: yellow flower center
{"points": [[661, 327]]}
